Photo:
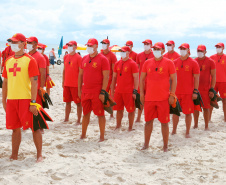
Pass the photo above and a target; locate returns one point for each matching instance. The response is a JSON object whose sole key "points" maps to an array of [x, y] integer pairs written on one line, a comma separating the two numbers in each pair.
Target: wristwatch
{"points": [[33, 101]]}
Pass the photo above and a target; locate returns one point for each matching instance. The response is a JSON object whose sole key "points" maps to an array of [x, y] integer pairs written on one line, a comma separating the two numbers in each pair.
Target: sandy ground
{"points": [[118, 160]]}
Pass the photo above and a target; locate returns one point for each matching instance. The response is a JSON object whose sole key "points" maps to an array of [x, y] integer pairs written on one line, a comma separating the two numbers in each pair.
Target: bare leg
{"points": [[147, 133], [165, 135], [79, 113], [112, 115], [67, 111], [206, 113], [119, 117], [102, 122], [139, 114], [210, 115], [48, 91], [131, 116], [188, 125], [85, 123], [37, 137], [224, 108], [196, 118], [16, 140], [175, 123]]}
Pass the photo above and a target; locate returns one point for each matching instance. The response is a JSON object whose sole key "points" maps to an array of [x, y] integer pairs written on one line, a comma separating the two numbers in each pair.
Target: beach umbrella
{"points": [[115, 48]]}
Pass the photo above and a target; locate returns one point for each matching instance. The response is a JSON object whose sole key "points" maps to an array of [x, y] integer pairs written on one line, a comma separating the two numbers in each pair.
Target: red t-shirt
{"points": [[220, 61], [93, 73], [41, 62], [133, 56], [171, 56], [6, 54], [157, 82], [141, 58], [71, 64], [125, 81], [112, 59], [47, 59], [205, 66], [185, 78]]}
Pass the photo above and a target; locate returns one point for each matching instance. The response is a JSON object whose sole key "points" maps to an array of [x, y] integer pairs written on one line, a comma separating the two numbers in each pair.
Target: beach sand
{"points": [[118, 160]]}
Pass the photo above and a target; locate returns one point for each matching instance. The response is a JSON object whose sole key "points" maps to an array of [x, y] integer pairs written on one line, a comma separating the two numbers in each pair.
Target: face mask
{"points": [[70, 49], [40, 50], [147, 47], [104, 46], [200, 54], [183, 52], [123, 55], [9, 43], [219, 50], [15, 47], [169, 48], [157, 53], [90, 50], [29, 47]]}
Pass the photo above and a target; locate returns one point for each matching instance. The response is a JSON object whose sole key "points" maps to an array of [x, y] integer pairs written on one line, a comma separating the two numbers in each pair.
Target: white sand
{"points": [[119, 160]]}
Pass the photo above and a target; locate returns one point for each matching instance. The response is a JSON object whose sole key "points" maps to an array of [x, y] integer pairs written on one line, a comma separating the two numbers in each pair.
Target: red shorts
{"points": [[91, 102], [124, 99], [221, 88], [157, 109], [39, 99], [186, 103], [71, 94], [18, 114], [205, 99]]}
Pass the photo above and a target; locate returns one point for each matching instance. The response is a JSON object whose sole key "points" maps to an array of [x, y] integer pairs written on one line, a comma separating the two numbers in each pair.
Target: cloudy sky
{"points": [[193, 21]]}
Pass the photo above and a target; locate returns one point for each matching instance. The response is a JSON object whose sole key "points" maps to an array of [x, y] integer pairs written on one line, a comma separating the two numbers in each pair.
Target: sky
{"points": [[194, 21]]}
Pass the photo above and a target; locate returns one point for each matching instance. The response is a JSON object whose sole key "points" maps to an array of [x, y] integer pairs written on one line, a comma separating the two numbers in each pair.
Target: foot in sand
{"points": [[187, 136], [40, 159]]}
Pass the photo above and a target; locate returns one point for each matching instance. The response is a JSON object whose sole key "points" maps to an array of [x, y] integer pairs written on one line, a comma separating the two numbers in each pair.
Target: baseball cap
{"points": [[129, 43], [220, 44], [105, 41], [147, 41], [92, 41], [201, 47], [184, 45], [18, 37], [31, 39], [159, 45], [42, 46], [170, 42], [125, 48], [72, 43]]}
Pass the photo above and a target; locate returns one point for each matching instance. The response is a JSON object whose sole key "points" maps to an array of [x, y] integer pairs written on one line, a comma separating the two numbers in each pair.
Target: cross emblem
{"points": [[15, 69]]}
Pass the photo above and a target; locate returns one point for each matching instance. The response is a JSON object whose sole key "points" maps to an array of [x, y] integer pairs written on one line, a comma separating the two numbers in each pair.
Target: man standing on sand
{"points": [[141, 58], [171, 54], [32, 43], [187, 84], [207, 80], [126, 75], [220, 61], [132, 54], [155, 76], [70, 81], [19, 89], [94, 75], [52, 56]]}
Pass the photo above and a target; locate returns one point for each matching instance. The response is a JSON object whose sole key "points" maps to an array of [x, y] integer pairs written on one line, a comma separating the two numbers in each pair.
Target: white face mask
{"points": [[9, 43], [219, 50], [123, 55], [90, 50], [29, 47], [147, 47], [39, 50], [70, 49], [15, 47], [169, 48], [200, 54], [104, 46], [183, 52], [157, 53]]}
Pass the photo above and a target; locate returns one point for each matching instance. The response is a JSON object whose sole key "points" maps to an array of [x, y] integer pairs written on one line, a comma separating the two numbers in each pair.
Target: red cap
{"points": [[184, 45], [42, 46], [31, 39], [220, 44], [72, 43], [201, 47], [159, 45], [18, 37], [125, 48], [170, 42], [148, 41], [105, 41], [129, 43], [92, 41]]}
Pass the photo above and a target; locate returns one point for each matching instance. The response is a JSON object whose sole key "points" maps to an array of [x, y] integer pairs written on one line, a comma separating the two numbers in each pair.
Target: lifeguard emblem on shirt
{"points": [[177, 68], [94, 65], [85, 65], [186, 68], [126, 69], [222, 62], [15, 69], [118, 69], [172, 59], [160, 71], [203, 67]]}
